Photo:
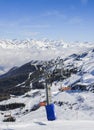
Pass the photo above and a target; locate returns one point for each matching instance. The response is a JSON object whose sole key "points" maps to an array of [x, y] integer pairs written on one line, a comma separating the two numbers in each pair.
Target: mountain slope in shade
{"points": [[79, 64]]}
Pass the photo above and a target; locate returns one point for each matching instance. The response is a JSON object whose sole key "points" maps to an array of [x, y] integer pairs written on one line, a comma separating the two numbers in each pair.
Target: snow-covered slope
{"points": [[74, 105], [41, 125], [77, 107]]}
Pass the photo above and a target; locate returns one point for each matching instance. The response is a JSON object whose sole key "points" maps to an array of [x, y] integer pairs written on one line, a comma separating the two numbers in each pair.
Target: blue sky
{"points": [[70, 20]]}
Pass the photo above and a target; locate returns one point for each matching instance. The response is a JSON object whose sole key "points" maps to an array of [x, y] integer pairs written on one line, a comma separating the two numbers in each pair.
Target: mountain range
{"points": [[27, 65]]}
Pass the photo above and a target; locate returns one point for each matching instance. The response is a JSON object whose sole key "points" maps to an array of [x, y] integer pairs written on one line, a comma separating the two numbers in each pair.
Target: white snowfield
{"points": [[76, 113], [74, 109], [45, 125]]}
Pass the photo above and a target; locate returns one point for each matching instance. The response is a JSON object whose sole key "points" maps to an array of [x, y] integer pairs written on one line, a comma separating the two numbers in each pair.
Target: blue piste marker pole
{"points": [[50, 108], [50, 111]]}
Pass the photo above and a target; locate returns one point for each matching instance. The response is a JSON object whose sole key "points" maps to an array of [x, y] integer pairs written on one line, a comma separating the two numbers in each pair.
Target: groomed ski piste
{"points": [[77, 113], [74, 109]]}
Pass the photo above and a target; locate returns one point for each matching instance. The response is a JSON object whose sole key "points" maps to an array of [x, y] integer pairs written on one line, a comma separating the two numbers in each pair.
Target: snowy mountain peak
{"points": [[28, 43], [45, 43]]}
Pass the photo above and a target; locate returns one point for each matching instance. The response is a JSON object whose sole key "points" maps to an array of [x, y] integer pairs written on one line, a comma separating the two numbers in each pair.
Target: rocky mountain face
{"points": [[76, 71]]}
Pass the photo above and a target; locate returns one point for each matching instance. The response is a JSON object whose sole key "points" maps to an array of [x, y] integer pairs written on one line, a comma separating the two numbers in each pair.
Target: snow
{"points": [[41, 125], [71, 80], [77, 111]]}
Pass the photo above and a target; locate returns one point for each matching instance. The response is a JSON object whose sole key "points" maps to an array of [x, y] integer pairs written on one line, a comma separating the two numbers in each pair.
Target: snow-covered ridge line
{"points": [[29, 43]]}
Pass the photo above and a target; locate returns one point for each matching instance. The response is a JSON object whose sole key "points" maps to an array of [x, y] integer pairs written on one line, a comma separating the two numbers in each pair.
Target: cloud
{"points": [[20, 34], [84, 2], [54, 13], [75, 20], [37, 26], [29, 34]]}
